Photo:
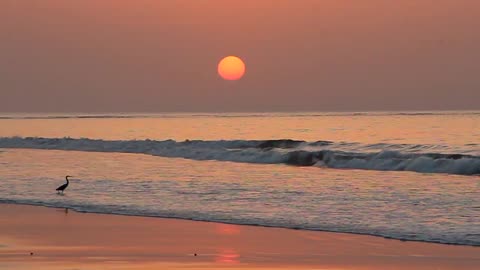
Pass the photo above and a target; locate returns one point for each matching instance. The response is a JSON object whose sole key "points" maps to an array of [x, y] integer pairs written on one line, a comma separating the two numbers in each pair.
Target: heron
{"points": [[64, 186]]}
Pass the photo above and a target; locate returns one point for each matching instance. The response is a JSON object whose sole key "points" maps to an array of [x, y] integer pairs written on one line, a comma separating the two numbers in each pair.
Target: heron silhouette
{"points": [[64, 186]]}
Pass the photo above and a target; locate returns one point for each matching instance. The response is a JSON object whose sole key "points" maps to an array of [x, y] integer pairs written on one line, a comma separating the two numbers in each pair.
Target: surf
{"points": [[325, 154]]}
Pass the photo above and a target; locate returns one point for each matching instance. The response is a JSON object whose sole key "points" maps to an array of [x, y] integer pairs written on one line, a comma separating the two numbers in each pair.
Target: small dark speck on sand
{"points": [[31, 253], [195, 254]]}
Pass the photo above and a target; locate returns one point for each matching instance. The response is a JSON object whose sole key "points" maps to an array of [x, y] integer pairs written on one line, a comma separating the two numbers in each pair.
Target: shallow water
{"points": [[400, 204]]}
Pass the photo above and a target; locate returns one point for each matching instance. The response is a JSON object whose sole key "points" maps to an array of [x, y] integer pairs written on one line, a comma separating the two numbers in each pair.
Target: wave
{"points": [[232, 115], [35, 117], [292, 152]]}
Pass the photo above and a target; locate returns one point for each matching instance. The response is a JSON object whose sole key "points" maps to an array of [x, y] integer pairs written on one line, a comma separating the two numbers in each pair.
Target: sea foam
{"points": [[292, 152]]}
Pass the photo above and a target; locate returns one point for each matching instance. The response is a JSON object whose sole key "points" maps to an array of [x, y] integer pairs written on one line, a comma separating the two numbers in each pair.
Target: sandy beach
{"points": [[327, 135], [65, 239]]}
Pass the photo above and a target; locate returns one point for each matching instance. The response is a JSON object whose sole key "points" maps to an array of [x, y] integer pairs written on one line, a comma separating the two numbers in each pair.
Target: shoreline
{"points": [[7, 202], [61, 238]]}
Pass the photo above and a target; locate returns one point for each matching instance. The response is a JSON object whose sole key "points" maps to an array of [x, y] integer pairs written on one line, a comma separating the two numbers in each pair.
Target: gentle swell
{"points": [[292, 152]]}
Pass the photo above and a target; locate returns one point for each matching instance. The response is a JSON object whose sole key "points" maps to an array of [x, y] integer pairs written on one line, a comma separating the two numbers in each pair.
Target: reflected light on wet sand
{"points": [[227, 229], [229, 256]]}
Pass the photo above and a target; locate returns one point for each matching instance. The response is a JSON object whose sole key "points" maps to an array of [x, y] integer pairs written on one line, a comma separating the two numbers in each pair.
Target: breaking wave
{"points": [[232, 115], [383, 157]]}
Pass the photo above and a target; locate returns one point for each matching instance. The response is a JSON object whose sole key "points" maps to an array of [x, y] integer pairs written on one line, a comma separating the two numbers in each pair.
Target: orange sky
{"points": [[153, 56]]}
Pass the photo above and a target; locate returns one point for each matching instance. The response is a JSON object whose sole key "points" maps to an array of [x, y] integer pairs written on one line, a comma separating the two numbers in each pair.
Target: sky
{"points": [[300, 55]]}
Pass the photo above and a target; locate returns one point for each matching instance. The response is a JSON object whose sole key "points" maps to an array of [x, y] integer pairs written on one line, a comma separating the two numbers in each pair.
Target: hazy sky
{"points": [[155, 55]]}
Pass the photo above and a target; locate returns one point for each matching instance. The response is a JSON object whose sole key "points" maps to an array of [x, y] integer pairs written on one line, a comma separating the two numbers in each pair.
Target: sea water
{"points": [[403, 175]]}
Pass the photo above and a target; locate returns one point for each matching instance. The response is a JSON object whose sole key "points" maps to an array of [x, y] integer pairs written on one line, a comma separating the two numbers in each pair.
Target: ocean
{"points": [[402, 175]]}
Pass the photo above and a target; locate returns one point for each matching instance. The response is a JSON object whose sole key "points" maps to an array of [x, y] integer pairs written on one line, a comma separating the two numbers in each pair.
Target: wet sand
{"points": [[62, 239]]}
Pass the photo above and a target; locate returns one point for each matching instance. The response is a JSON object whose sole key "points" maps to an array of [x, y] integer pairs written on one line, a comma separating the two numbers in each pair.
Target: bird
{"points": [[64, 186]]}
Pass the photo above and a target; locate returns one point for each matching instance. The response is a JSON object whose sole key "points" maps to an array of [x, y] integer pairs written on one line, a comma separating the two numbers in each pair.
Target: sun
{"points": [[231, 68]]}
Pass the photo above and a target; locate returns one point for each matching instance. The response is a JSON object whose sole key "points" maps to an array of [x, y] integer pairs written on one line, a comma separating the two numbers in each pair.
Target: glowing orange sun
{"points": [[231, 68]]}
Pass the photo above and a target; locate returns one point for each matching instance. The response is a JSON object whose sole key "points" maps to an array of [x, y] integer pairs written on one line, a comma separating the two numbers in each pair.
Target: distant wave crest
{"points": [[384, 157], [231, 115]]}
